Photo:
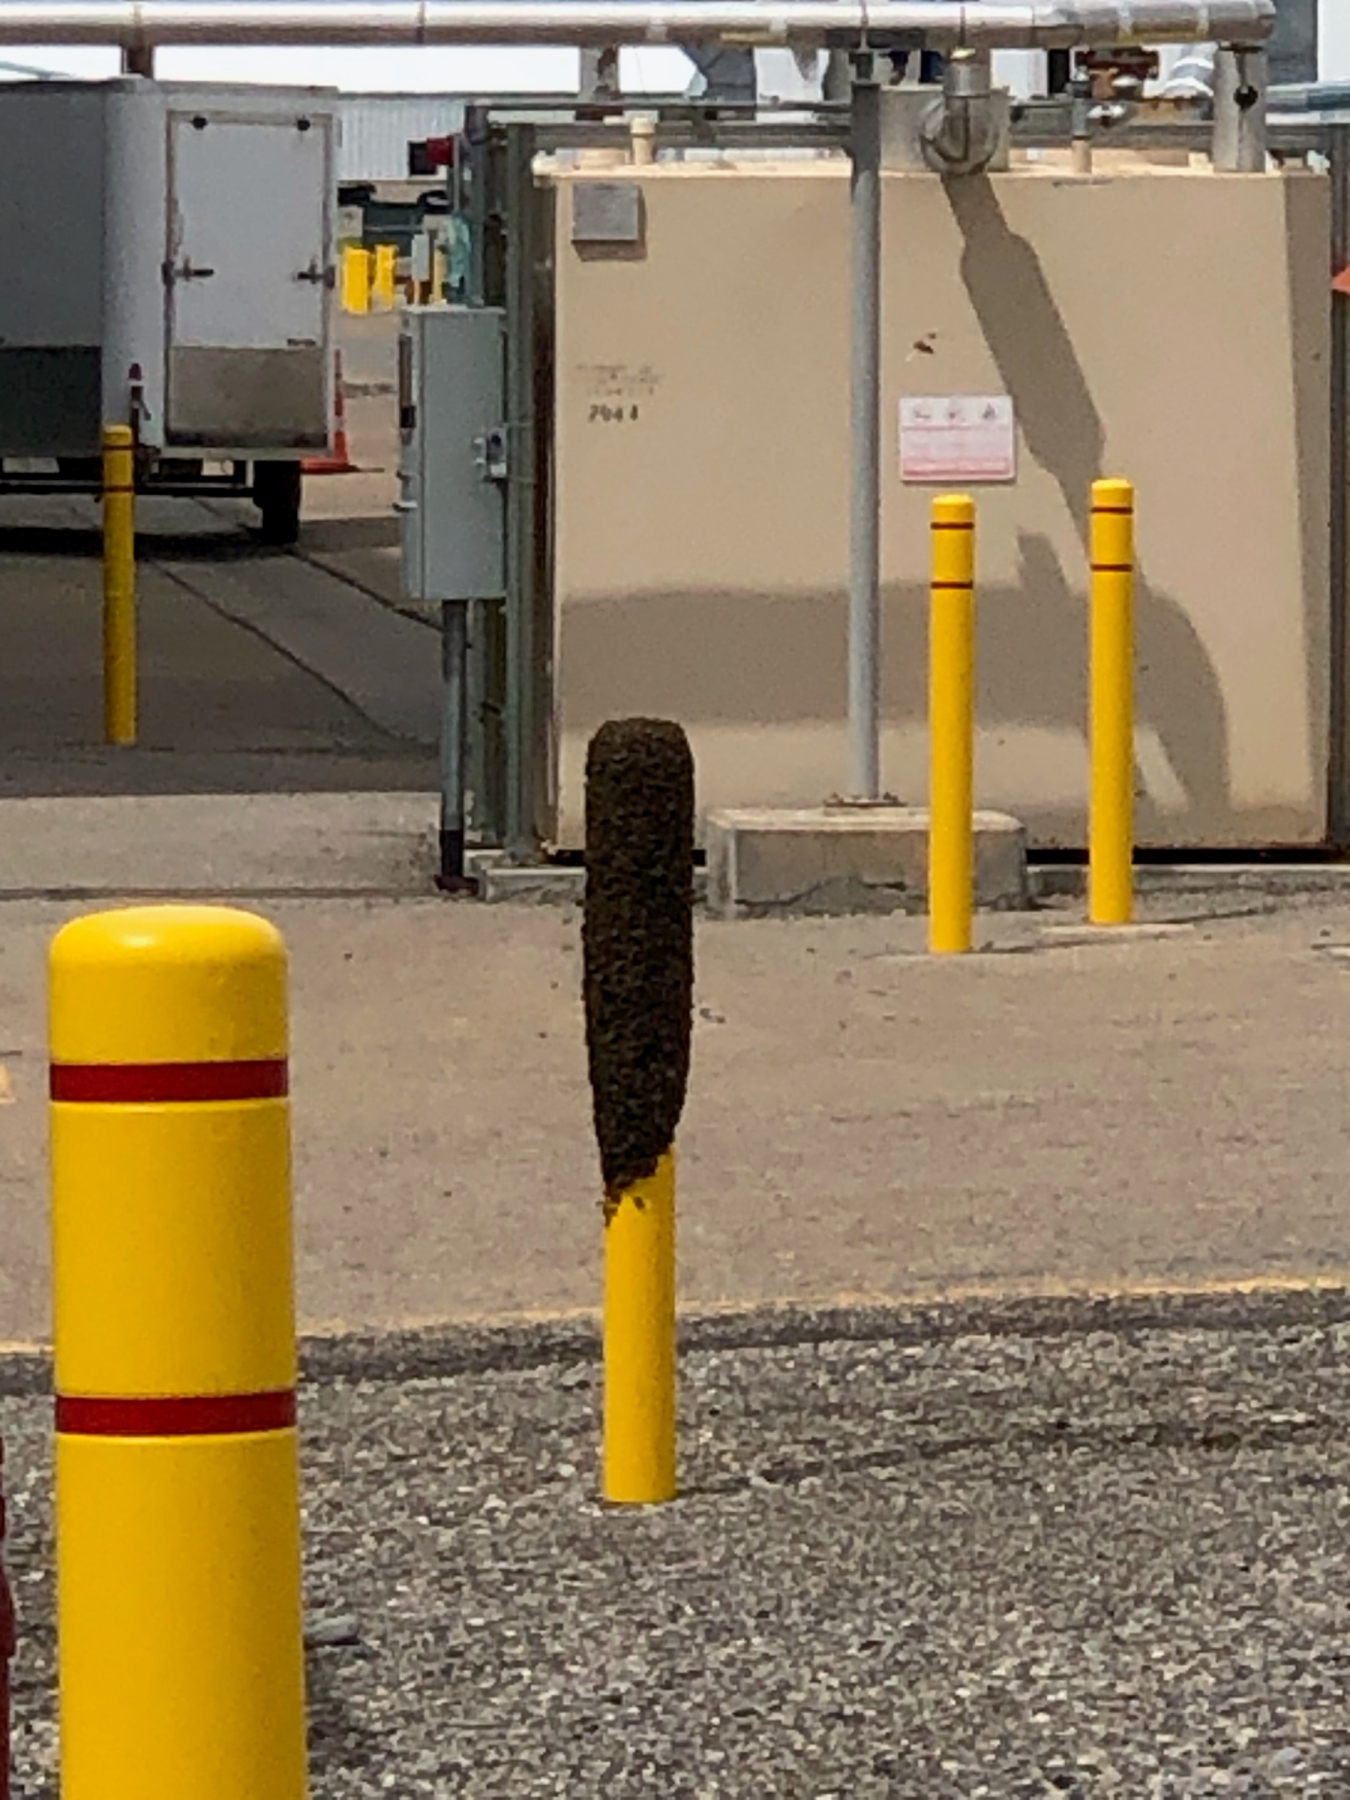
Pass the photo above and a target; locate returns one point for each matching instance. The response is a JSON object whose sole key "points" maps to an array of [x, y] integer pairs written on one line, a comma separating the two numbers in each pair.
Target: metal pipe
{"points": [[981, 24], [522, 667], [1080, 123], [1192, 76], [1317, 96], [864, 585]]}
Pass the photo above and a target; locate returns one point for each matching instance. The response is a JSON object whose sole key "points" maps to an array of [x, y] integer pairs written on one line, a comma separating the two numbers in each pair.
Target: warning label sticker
{"points": [[958, 437]]}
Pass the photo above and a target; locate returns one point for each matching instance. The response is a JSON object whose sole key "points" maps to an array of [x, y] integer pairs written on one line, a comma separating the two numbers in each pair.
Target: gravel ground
{"points": [[1043, 1549]]}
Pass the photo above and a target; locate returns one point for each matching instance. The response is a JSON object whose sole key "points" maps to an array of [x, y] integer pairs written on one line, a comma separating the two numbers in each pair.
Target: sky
{"points": [[440, 71], [1335, 40]]}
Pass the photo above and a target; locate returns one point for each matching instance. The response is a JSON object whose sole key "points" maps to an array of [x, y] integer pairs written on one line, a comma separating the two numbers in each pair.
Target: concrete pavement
{"points": [[1156, 1110], [1159, 1110]]}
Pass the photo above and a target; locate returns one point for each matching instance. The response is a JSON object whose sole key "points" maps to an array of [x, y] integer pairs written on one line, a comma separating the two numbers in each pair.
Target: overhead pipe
{"points": [[1240, 81], [1309, 97], [979, 24]]}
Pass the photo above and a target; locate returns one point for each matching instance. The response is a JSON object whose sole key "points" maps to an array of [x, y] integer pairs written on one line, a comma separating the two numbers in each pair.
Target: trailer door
{"points": [[248, 281]]}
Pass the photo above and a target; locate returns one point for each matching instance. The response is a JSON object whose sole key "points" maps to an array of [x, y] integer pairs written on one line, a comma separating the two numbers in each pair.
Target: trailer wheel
{"points": [[276, 494]]}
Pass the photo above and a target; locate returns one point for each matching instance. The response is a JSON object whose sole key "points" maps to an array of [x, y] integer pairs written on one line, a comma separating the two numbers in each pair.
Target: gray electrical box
{"points": [[453, 465]]}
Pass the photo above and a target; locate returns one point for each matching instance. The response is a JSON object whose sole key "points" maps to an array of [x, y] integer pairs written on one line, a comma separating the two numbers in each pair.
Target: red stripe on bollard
{"points": [[150, 1084], [174, 1415]]}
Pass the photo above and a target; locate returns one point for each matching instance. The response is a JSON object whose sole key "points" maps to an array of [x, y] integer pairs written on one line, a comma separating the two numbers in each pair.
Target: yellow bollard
{"points": [[384, 287], [638, 982], [951, 727], [119, 584], [640, 1340], [178, 1538], [356, 274], [1111, 825]]}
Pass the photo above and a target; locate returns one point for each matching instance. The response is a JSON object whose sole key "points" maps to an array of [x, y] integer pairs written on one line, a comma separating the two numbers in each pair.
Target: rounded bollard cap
{"points": [[171, 1226], [171, 984], [953, 509], [1113, 494]]}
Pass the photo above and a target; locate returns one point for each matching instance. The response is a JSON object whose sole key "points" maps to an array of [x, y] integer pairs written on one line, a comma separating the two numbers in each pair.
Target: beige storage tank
{"points": [[1166, 324]]}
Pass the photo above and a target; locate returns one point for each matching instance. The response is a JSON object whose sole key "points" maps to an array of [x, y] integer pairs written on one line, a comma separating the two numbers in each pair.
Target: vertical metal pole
{"points": [[864, 592], [1080, 114], [454, 670], [521, 673], [1338, 748], [476, 143], [481, 816], [1240, 82], [836, 81]]}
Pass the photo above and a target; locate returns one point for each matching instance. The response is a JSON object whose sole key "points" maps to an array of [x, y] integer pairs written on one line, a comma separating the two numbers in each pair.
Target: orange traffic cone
{"points": [[340, 461]]}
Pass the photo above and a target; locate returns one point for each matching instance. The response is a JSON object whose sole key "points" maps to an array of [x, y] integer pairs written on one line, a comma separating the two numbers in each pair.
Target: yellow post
{"points": [[637, 937], [384, 289], [356, 272], [1111, 827], [640, 1340], [178, 1538], [951, 727], [119, 584]]}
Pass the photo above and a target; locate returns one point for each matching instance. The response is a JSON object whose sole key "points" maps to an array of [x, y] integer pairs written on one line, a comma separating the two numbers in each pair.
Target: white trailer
{"points": [[169, 263]]}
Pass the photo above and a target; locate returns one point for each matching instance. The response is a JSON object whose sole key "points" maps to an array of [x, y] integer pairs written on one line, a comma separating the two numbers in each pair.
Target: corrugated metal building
{"points": [[377, 129]]}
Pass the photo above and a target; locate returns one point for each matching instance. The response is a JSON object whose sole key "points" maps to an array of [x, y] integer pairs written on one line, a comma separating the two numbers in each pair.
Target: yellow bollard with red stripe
{"points": [[178, 1537], [1111, 722], [951, 727]]}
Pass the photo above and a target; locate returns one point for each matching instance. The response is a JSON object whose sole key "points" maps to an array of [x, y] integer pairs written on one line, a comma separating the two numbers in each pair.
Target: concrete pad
{"points": [[836, 860], [385, 666], [557, 884], [218, 845]]}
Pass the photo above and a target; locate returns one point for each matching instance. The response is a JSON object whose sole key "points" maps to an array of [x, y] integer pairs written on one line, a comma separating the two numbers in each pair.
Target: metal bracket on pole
{"points": [[1240, 82], [600, 90]]}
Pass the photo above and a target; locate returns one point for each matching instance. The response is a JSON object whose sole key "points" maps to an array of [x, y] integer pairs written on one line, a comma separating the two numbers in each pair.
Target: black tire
{"points": [[276, 494], [88, 470]]}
